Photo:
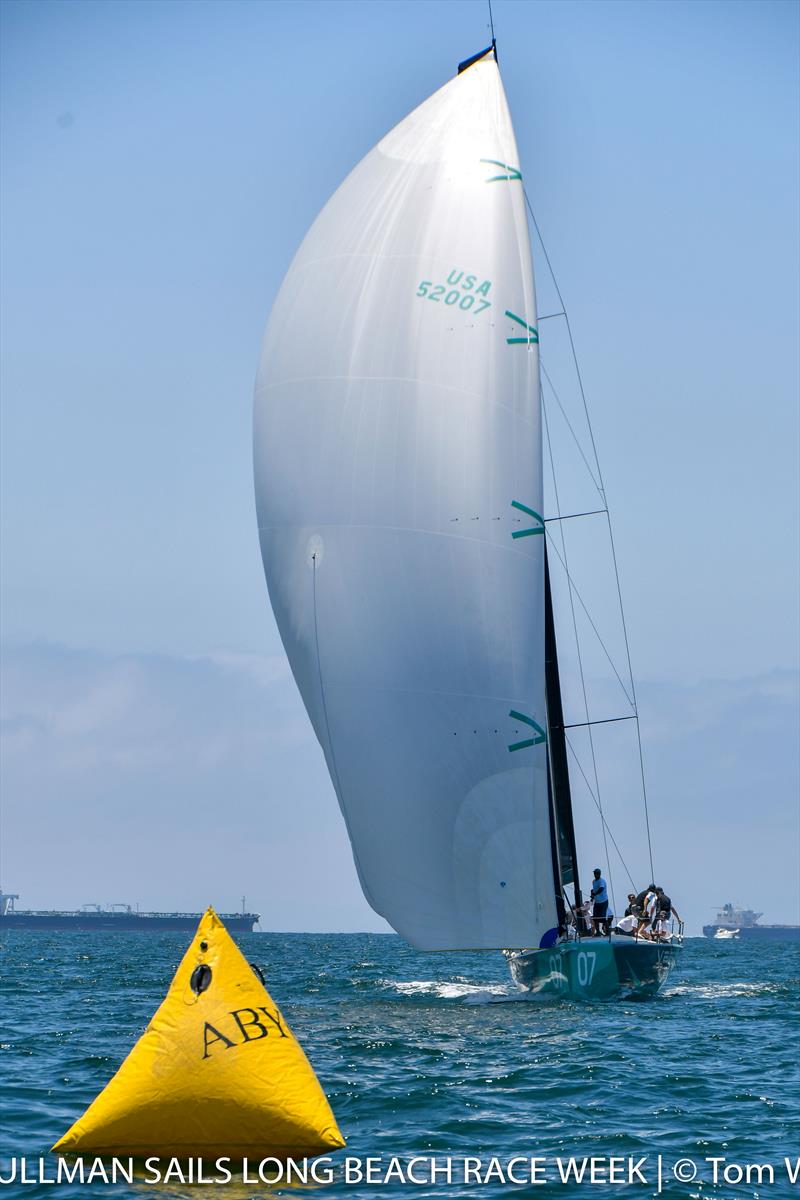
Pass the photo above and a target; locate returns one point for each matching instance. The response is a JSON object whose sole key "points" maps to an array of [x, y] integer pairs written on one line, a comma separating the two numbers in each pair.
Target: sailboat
{"points": [[399, 493]]}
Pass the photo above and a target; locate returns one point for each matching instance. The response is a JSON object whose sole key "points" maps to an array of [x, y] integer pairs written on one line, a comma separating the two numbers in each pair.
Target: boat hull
{"points": [[595, 968], [110, 922], [756, 933]]}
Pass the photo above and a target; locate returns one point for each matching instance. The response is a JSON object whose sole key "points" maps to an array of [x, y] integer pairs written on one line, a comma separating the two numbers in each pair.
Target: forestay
{"points": [[399, 495]]}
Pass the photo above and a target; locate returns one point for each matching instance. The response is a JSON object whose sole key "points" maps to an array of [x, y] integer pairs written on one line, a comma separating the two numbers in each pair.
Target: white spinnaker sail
{"points": [[397, 453]]}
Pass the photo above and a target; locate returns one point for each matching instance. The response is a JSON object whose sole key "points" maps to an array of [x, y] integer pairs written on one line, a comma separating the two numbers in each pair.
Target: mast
{"points": [[561, 908], [566, 852]]}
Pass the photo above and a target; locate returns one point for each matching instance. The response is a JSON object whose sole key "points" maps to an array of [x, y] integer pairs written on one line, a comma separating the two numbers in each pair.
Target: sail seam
{"points": [[404, 691], [310, 262], [334, 767], [446, 387], [456, 537]]}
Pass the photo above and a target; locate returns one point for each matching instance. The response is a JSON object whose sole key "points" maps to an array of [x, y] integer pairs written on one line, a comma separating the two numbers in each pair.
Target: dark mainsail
{"points": [[565, 850]]}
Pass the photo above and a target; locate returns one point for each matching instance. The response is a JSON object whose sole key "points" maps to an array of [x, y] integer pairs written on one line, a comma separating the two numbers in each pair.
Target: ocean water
{"points": [[438, 1056]]}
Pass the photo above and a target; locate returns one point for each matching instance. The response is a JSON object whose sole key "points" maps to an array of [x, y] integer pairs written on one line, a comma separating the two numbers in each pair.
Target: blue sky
{"points": [[160, 164]]}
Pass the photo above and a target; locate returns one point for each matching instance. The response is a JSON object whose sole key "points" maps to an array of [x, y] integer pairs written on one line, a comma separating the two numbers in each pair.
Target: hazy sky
{"points": [[160, 164]]}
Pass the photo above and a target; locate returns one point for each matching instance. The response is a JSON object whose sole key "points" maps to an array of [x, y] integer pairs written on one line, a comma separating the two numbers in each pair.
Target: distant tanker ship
{"points": [[743, 923], [93, 918]]}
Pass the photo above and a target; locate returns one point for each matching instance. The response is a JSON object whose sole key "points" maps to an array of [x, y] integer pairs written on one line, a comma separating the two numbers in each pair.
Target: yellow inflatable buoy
{"points": [[216, 1072]]}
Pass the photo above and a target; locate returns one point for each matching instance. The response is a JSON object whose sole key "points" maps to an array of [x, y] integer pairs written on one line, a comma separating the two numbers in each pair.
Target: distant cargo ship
{"points": [[742, 923], [93, 918]]}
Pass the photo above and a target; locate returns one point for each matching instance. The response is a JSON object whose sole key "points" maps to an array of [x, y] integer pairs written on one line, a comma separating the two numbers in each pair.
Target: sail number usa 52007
{"points": [[459, 289]]}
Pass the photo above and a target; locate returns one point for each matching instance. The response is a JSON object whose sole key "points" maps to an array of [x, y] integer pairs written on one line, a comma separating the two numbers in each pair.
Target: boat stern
{"points": [[595, 968]]}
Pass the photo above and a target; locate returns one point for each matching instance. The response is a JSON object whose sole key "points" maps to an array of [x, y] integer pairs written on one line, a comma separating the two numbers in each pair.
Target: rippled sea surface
{"points": [[437, 1055]]}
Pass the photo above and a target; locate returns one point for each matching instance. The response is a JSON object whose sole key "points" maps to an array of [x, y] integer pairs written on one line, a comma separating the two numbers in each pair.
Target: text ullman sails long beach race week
{"points": [[420, 1171]]}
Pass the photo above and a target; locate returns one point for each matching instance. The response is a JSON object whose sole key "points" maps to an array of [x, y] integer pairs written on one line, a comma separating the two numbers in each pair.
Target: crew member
{"points": [[645, 903], [664, 911], [599, 904]]}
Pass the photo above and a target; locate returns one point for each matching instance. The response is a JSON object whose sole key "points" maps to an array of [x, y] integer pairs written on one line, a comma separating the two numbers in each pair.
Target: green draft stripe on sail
{"points": [[533, 334], [536, 741], [513, 172], [518, 533]]}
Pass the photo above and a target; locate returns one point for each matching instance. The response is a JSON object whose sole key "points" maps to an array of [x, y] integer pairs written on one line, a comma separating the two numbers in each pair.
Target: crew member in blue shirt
{"points": [[600, 904]]}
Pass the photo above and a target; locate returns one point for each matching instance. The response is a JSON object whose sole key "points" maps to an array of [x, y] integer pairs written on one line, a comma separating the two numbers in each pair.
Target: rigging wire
{"points": [[574, 436], [580, 660], [598, 721], [601, 489], [491, 20], [582, 603], [591, 793], [572, 516], [569, 334], [635, 705]]}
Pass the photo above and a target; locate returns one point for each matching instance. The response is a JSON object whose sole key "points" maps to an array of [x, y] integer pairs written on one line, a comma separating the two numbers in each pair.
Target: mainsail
{"points": [[398, 476]]}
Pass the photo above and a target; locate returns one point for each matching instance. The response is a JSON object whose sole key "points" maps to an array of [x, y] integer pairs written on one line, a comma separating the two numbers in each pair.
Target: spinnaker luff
{"points": [[398, 467]]}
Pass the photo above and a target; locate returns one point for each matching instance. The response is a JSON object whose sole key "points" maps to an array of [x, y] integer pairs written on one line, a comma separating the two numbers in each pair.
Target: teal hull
{"points": [[595, 968]]}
